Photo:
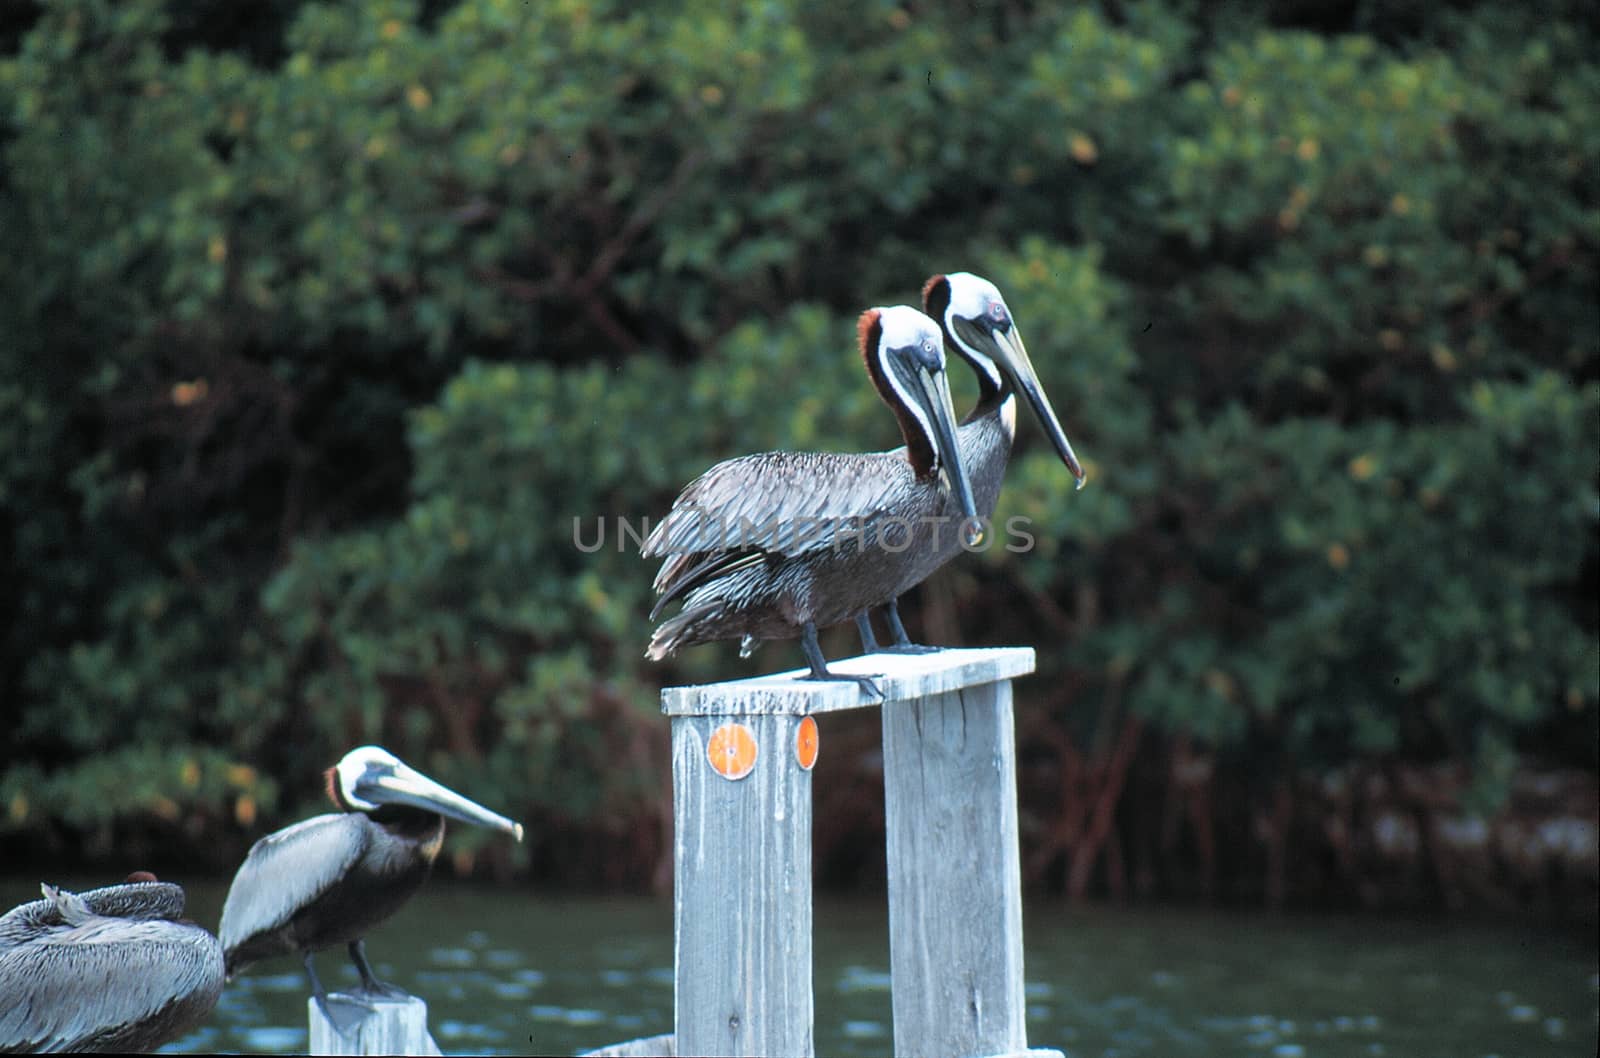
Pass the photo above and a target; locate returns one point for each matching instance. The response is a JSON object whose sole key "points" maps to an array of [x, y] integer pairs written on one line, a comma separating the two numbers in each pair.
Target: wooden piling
{"points": [[955, 891], [742, 917], [742, 855], [370, 1025]]}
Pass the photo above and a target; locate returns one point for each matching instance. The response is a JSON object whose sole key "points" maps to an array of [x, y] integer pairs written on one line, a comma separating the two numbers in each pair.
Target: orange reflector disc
{"points": [[806, 744], [732, 751]]}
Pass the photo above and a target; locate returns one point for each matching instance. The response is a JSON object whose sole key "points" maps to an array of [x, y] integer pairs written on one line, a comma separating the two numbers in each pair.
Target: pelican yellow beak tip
{"points": [[516, 830]]}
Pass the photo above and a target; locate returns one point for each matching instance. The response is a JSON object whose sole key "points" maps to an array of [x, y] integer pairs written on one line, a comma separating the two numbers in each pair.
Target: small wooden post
{"points": [[370, 1025], [742, 856]]}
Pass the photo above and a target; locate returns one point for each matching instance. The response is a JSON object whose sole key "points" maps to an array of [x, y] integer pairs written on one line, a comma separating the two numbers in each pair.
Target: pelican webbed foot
{"points": [[819, 664], [336, 1007], [866, 683], [345, 1011]]}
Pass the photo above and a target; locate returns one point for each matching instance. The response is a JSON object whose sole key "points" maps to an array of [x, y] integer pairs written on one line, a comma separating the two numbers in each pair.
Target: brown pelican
{"points": [[332, 878], [111, 969], [978, 327], [781, 544]]}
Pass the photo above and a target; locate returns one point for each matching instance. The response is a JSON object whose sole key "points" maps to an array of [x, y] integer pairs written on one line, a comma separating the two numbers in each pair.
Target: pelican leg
{"points": [[341, 1018], [869, 641], [819, 664], [316, 982], [902, 642], [369, 980]]}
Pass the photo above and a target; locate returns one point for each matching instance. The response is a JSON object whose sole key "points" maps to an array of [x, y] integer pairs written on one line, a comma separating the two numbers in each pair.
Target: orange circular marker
{"points": [[732, 751], [806, 744]]}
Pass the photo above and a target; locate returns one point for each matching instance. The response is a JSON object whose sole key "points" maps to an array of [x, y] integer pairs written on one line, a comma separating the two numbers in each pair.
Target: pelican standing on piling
{"points": [[330, 879], [978, 327], [780, 544], [112, 969]]}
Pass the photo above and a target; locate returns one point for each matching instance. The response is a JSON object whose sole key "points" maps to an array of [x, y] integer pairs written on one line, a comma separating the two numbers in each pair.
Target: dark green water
{"points": [[513, 972]]}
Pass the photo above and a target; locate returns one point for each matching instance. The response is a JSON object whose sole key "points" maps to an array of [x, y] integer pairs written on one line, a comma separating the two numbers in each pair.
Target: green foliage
{"points": [[337, 334]]}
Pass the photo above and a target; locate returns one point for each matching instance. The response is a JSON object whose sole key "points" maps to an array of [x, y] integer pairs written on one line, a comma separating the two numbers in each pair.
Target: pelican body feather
{"points": [[112, 969], [848, 525], [324, 882], [779, 544]]}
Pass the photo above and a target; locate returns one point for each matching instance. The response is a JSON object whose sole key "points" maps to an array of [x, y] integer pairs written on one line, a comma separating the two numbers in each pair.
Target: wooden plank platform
{"points": [[901, 677]]}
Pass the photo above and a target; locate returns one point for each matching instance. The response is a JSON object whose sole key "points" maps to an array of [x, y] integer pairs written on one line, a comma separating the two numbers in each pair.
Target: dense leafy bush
{"points": [[329, 327]]}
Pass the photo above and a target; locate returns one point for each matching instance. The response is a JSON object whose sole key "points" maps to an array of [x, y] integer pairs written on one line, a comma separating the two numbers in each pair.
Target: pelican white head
{"points": [[370, 777]]}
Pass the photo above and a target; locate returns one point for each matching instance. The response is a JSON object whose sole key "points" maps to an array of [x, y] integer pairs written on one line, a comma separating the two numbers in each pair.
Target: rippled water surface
{"points": [[515, 972]]}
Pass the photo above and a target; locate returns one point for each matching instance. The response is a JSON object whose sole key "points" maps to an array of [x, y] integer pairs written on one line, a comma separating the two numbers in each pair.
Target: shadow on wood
{"points": [[370, 1025]]}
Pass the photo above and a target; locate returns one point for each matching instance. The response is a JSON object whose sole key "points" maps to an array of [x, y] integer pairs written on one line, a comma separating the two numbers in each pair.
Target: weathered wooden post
{"points": [[955, 877], [741, 759], [370, 1025], [741, 784]]}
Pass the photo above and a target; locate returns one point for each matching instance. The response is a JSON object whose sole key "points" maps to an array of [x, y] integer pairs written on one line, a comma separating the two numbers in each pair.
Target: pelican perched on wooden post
{"points": [[978, 327], [780, 544], [330, 879], [111, 969]]}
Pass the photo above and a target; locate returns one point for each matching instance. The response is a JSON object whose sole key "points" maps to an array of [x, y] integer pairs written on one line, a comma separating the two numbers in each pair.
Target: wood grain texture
{"points": [[742, 914], [955, 891], [901, 677], [370, 1025]]}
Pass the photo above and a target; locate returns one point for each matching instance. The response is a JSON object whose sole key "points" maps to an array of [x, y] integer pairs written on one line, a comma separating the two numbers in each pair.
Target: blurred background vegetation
{"points": [[323, 322]]}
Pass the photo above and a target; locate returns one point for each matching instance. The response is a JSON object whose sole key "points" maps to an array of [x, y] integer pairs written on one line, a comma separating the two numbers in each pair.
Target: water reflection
{"points": [[512, 972]]}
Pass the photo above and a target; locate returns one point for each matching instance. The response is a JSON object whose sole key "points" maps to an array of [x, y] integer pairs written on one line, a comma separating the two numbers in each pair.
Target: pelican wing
{"points": [[774, 504], [127, 982], [288, 869]]}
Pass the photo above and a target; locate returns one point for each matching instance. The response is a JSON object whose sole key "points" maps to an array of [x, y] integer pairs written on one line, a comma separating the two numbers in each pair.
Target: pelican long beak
{"points": [[1012, 356], [407, 786], [935, 399]]}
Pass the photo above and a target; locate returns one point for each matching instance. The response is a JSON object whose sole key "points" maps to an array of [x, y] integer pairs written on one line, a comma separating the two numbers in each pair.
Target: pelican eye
{"points": [[927, 353]]}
